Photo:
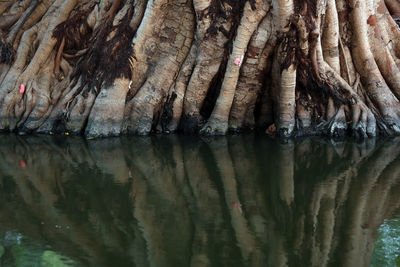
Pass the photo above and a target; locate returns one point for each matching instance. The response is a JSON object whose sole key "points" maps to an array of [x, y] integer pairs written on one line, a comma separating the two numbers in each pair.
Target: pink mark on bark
{"points": [[238, 61], [238, 206], [22, 89], [22, 164]]}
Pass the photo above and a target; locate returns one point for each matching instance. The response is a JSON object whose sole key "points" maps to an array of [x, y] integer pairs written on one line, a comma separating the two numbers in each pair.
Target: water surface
{"points": [[188, 201]]}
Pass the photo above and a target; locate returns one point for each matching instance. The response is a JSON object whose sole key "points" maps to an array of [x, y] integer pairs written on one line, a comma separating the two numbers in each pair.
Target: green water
{"points": [[189, 201]]}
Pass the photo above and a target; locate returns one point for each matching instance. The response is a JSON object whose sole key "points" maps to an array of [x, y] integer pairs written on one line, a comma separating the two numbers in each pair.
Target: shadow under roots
{"points": [[7, 53]]}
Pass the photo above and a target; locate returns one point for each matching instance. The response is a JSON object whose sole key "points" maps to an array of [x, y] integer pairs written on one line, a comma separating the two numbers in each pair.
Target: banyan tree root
{"points": [[291, 67]]}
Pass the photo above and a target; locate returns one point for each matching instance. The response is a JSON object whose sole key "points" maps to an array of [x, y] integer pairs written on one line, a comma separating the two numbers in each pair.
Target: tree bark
{"points": [[106, 68]]}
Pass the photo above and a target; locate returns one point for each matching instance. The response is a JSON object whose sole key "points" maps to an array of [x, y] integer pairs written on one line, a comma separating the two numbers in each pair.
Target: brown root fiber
{"points": [[201, 66], [107, 58]]}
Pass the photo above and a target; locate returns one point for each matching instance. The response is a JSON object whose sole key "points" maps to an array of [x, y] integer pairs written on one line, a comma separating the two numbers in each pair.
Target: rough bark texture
{"points": [[291, 67]]}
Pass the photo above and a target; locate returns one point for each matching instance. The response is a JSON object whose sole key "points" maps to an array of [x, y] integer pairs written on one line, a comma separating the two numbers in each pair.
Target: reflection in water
{"points": [[185, 201]]}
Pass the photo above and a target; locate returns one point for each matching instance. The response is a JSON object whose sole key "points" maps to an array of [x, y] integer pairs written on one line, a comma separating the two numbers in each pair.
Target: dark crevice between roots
{"points": [[192, 125], [308, 10], [258, 112], [168, 112], [7, 53], [59, 125], [213, 92], [223, 10]]}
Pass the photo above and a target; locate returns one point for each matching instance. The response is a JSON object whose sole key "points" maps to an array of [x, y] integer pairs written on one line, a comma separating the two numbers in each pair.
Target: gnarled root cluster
{"points": [[106, 68]]}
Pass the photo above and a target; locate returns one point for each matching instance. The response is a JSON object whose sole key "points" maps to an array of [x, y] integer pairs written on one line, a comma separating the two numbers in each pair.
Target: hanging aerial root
{"points": [[105, 50]]}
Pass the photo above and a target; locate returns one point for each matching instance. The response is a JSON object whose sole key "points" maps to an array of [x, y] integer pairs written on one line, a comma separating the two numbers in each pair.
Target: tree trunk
{"points": [[106, 68]]}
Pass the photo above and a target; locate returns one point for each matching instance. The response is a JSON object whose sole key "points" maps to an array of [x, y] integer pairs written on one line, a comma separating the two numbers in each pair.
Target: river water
{"points": [[188, 201]]}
